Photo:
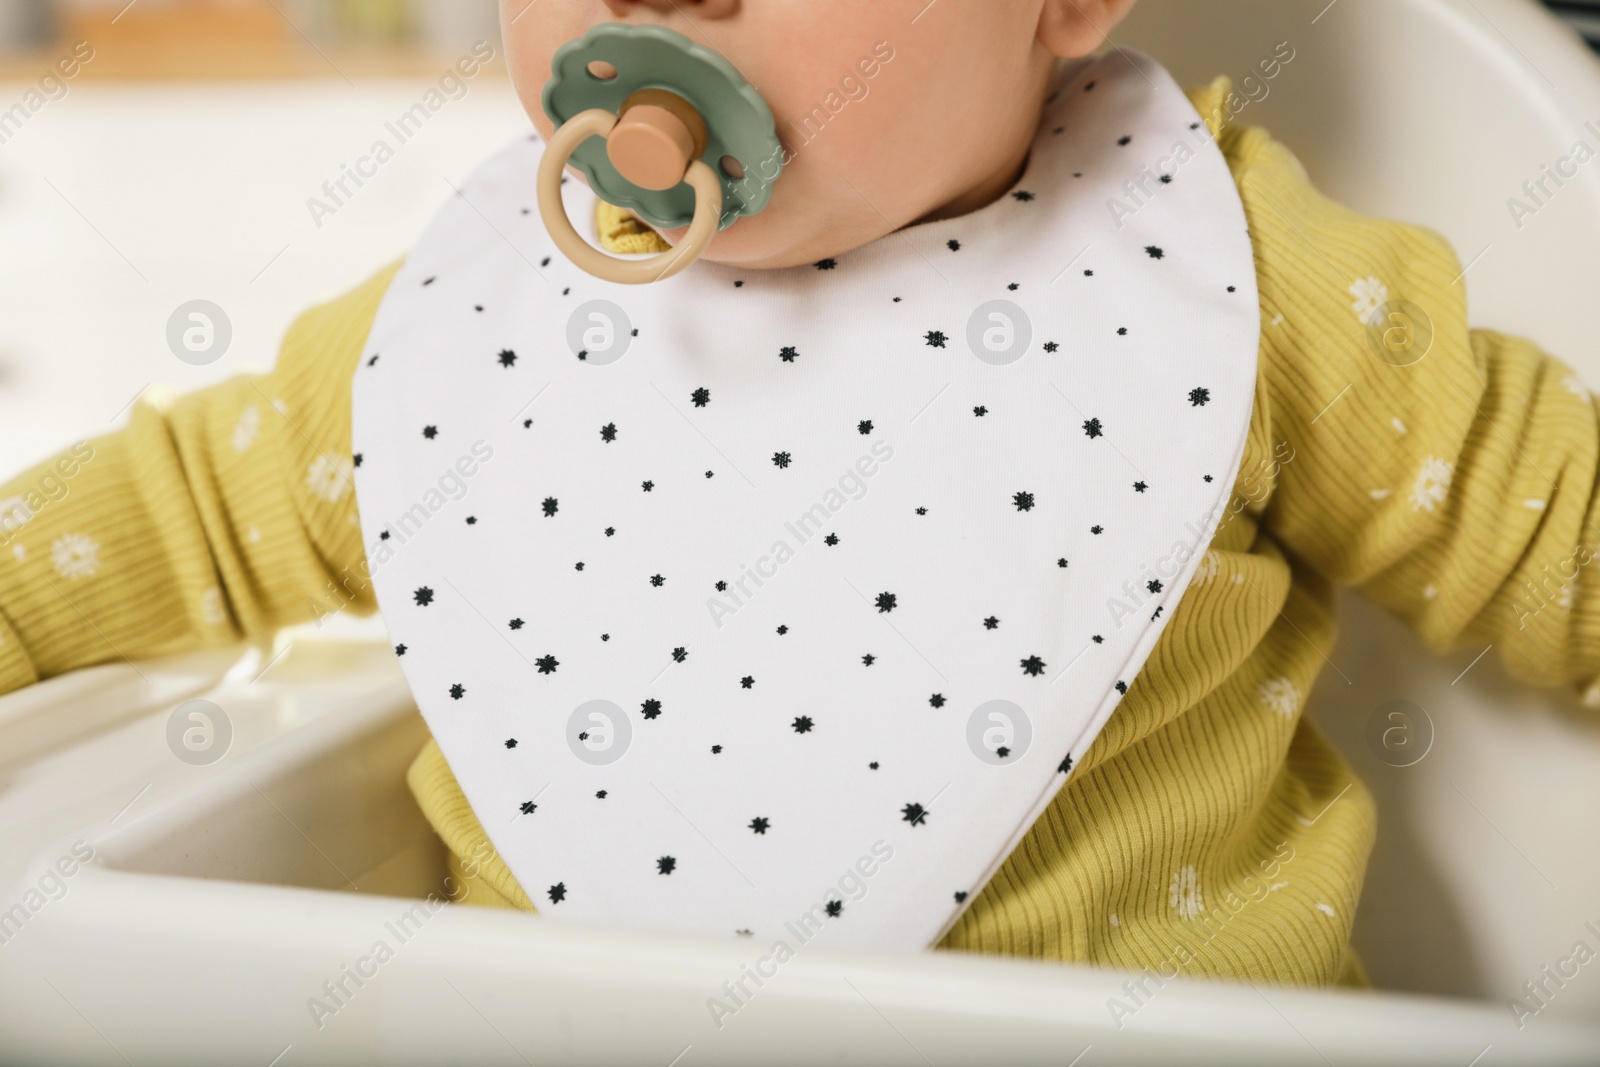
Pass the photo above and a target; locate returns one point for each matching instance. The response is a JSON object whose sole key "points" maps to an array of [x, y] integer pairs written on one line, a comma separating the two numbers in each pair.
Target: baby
{"points": [[1224, 402]]}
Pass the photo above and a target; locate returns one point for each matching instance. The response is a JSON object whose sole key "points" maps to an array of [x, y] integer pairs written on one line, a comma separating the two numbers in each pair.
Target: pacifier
{"points": [[659, 125]]}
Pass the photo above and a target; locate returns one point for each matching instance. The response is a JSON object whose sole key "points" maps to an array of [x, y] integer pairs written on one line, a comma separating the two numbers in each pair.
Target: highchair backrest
{"points": [[1465, 116]]}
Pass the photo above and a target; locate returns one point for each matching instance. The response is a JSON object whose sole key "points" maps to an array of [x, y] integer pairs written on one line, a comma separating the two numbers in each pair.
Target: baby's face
{"points": [[890, 110]]}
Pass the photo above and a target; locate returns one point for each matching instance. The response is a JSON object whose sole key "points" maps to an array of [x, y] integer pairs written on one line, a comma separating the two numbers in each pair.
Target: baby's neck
{"points": [[984, 193]]}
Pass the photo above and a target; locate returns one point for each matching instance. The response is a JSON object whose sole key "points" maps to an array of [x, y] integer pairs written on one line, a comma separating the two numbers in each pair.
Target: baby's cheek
{"points": [[533, 32]]}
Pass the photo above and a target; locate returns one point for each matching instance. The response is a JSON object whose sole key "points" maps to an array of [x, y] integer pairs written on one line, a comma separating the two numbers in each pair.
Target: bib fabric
{"points": [[782, 603]]}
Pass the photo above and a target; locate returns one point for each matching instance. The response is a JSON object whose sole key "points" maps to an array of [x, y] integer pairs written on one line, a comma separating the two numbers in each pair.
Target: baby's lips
{"points": [[710, 9]]}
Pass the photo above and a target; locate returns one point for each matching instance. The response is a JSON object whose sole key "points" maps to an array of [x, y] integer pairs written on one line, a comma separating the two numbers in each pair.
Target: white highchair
{"points": [[224, 897]]}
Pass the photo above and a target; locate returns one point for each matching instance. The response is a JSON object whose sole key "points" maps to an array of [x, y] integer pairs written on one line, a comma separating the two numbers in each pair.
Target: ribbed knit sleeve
{"points": [[228, 513], [1448, 472]]}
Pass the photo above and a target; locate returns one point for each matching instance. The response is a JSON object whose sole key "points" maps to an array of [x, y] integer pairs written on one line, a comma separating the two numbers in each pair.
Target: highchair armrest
{"points": [[289, 901], [58, 711]]}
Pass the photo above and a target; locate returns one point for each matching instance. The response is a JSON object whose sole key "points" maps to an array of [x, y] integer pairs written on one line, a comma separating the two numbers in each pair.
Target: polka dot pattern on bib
{"points": [[873, 547]]}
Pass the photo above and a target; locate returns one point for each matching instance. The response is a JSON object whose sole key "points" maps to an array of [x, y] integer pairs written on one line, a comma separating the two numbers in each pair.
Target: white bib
{"points": [[781, 603]]}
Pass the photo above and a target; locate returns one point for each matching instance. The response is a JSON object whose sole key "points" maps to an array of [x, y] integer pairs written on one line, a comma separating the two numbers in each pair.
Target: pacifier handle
{"points": [[656, 144]]}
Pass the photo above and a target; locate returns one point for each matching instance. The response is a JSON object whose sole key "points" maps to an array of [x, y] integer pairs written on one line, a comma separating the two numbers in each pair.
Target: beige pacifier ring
{"points": [[663, 147]]}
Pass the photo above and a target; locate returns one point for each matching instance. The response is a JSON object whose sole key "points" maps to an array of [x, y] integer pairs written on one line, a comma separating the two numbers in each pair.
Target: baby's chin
{"points": [[770, 242]]}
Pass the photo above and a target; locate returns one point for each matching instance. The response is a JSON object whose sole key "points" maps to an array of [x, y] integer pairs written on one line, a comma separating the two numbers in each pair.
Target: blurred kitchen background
{"points": [[246, 38], [182, 159], [157, 152], [254, 38]]}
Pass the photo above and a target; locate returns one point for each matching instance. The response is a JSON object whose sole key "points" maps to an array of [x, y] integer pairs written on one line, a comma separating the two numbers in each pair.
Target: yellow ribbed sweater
{"points": [[1209, 829]]}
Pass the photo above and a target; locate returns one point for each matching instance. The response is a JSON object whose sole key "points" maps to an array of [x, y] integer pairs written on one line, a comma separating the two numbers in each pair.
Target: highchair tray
{"points": [[287, 903]]}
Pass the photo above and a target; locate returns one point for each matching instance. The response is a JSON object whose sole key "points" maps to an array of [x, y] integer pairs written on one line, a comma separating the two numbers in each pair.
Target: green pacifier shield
{"points": [[740, 123]]}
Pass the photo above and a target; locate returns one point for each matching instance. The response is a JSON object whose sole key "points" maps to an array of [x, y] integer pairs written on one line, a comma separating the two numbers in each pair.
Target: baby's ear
{"points": [[1073, 28]]}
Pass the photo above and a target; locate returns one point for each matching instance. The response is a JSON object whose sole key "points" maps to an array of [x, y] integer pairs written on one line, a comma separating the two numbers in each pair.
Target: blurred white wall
{"points": [[120, 202]]}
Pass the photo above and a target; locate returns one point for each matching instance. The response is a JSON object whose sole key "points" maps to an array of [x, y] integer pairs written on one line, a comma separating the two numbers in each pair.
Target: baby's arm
{"points": [[1443, 488], [229, 513]]}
